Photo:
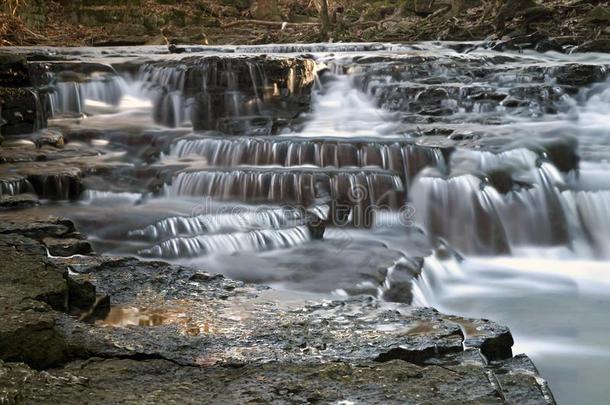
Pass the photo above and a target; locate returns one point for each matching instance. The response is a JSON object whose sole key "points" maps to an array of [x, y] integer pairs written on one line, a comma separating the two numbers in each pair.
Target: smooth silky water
{"points": [[508, 233]]}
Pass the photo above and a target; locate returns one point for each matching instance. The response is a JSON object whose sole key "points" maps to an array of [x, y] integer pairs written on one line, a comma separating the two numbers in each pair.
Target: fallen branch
{"points": [[26, 29], [279, 24]]}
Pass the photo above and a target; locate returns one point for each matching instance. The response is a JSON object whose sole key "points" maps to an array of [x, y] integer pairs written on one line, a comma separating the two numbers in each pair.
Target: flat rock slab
{"points": [[180, 334], [466, 380]]}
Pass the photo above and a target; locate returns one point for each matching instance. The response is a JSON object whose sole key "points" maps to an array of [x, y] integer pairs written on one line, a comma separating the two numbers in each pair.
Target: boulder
{"points": [[51, 137]]}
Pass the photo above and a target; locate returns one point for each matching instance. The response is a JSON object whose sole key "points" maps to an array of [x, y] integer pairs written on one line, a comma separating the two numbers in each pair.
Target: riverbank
{"points": [[150, 22]]}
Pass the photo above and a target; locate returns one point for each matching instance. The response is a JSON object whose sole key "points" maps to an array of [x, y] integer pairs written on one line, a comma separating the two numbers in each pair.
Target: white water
{"points": [[556, 308], [556, 299], [341, 110]]}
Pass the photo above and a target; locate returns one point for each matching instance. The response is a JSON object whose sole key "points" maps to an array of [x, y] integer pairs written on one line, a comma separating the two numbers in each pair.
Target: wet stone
{"points": [[67, 246], [56, 183], [35, 227], [14, 71], [179, 327], [49, 137], [22, 110], [233, 94], [18, 201], [29, 291]]}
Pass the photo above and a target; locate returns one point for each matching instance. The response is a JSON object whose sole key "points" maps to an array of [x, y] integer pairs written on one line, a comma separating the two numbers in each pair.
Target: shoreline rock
{"points": [[227, 333]]}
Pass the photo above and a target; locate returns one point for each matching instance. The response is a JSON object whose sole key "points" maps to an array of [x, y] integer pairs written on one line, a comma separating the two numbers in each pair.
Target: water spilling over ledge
{"points": [[234, 95]]}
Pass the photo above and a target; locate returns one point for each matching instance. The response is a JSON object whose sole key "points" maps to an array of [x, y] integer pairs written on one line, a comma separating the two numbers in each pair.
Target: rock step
{"points": [[23, 110], [463, 381], [227, 243], [530, 99], [228, 219], [395, 154], [354, 187], [55, 182], [217, 88]]}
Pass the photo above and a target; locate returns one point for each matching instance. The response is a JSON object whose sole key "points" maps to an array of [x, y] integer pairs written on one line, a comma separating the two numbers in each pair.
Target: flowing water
{"points": [[475, 182]]}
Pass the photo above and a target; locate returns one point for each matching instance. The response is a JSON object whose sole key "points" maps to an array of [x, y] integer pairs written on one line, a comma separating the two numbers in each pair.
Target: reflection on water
{"points": [[125, 316]]}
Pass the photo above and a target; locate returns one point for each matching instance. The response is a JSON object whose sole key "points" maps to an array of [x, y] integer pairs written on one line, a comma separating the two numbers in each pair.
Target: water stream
{"points": [[482, 174]]}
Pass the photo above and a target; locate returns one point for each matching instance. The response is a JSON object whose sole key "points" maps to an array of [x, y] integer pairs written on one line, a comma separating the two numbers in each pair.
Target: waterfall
{"points": [[462, 210], [434, 278], [14, 187], [103, 197], [257, 240], [81, 97], [233, 221], [470, 211], [301, 186], [234, 95], [590, 215], [402, 156], [341, 110]]}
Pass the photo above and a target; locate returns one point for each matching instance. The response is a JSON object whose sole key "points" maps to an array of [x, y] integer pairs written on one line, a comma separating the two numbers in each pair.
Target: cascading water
{"points": [[552, 289], [229, 243], [392, 155], [301, 185], [14, 187], [101, 90], [487, 174], [233, 95]]}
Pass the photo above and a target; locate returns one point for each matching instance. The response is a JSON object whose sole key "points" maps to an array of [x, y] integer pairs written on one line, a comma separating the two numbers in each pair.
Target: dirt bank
{"points": [[138, 22]]}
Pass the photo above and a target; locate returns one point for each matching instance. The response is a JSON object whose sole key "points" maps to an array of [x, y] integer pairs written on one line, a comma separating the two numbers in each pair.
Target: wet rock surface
{"points": [[233, 95], [217, 339]]}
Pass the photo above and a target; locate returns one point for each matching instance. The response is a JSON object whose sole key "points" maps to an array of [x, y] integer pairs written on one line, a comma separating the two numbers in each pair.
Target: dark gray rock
{"points": [[18, 201], [23, 110], [56, 183], [30, 289], [211, 337], [156, 381], [35, 227], [67, 246], [51, 137], [14, 71]]}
